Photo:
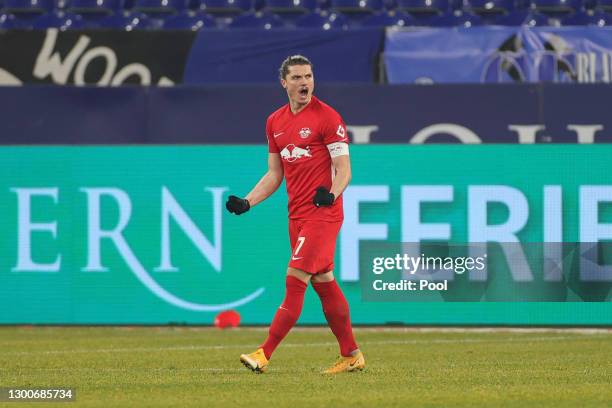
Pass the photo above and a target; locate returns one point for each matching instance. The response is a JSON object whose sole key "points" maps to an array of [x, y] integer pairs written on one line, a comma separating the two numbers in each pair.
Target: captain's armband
{"points": [[338, 149]]}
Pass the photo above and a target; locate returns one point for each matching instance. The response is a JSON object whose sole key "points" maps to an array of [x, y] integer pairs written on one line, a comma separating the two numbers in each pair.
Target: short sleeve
{"points": [[272, 147], [334, 129], [334, 135]]}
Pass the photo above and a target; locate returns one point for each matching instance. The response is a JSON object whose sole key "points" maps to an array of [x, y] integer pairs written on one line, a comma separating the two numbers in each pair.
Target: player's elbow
{"points": [[278, 183]]}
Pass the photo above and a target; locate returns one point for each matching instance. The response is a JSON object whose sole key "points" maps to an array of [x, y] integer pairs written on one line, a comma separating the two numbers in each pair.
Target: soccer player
{"points": [[308, 145]]}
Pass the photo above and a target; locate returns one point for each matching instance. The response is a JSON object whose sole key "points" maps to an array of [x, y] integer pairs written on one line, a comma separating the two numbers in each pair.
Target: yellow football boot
{"points": [[347, 364], [256, 361]]}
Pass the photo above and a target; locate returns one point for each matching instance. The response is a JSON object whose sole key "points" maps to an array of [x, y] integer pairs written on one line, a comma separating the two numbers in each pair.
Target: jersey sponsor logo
{"points": [[304, 132], [278, 134], [291, 152], [341, 132], [296, 258]]}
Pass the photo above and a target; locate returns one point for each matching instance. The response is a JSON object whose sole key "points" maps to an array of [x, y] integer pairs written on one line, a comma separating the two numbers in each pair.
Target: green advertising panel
{"points": [[121, 235]]}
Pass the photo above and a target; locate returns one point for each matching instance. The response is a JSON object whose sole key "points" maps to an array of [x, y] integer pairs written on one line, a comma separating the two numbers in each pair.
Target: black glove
{"points": [[237, 205], [323, 197]]}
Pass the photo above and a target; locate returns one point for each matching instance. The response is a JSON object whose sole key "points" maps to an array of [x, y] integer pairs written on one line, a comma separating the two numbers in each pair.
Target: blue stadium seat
{"points": [[589, 4], [357, 6], [25, 22], [557, 8], [91, 20], [156, 7], [323, 5], [290, 6], [5, 21], [158, 10], [94, 6], [424, 7], [226, 7], [457, 4], [389, 18], [605, 5], [357, 10], [291, 10], [423, 10], [258, 19], [90, 13], [24, 14], [126, 21], [522, 4], [323, 19], [57, 19], [588, 18], [523, 17], [28, 6], [189, 20], [490, 7], [457, 18], [490, 10]]}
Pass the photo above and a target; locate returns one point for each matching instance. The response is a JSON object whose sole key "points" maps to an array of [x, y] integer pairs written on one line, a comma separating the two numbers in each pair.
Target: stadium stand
{"points": [[490, 10], [226, 8], [291, 10], [291, 6], [257, 19], [456, 18], [588, 18], [91, 13], [323, 20], [189, 20], [19, 14], [389, 18], [557, 8], [158, 10], [520, 17], [323, 14]]}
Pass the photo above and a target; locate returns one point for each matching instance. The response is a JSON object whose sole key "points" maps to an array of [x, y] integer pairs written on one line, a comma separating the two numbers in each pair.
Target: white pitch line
{"points": [[164, 330], [164, 370], [416, 329], [147, 369], [301, 345]]}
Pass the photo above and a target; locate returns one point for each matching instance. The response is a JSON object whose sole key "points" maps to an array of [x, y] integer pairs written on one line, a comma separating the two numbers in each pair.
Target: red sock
{"points": [[336, 312], [286, 315]]}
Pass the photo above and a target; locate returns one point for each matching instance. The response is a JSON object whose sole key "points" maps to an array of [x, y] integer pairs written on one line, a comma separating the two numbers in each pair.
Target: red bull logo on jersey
{"points": [[304, 132], [291, 152]]}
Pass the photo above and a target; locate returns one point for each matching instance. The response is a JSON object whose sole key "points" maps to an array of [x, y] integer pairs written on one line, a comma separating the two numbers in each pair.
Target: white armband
{"points": [[338, 149]]}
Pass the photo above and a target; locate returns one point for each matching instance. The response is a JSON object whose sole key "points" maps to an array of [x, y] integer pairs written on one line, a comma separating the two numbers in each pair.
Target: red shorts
{"points": [[313, 244]]}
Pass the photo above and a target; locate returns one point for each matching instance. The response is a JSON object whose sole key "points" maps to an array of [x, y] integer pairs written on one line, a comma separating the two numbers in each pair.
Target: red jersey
{"points": [[304, 141]]}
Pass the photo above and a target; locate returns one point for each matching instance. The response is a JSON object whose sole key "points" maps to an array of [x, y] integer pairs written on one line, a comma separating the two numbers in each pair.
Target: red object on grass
{"points": [[228, 318]]}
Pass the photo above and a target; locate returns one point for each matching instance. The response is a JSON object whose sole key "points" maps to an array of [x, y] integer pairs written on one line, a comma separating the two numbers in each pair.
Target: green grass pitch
{"points": [[199, 367]]}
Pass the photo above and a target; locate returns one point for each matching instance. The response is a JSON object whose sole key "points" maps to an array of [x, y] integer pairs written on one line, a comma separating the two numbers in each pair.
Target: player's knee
{"points": [[299, 274], [324, 277]]}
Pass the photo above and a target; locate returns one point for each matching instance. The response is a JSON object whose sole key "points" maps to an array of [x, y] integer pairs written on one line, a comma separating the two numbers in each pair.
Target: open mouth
{"points": [[303, 92]]}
